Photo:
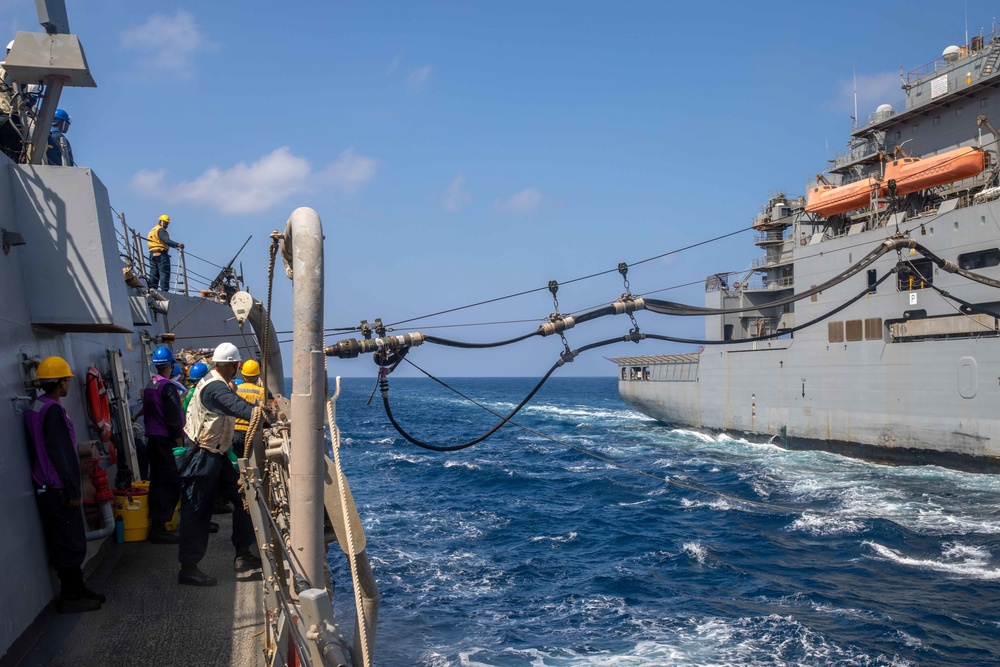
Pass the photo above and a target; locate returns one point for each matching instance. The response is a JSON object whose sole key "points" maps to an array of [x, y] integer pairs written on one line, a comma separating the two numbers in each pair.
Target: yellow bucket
{"points": [[132, 507], [175, 522]]}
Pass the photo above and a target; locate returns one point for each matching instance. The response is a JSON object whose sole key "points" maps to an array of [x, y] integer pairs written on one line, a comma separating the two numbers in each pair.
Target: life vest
{"points": [[99, 410], [43, 471], [153, 239], [251, 393], [206, 428]]}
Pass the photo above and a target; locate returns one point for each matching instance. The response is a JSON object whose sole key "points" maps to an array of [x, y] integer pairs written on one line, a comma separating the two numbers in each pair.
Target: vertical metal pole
{"points": [[303, 245], [127, 242], [53, 89], [182, 272], [137, 243]]}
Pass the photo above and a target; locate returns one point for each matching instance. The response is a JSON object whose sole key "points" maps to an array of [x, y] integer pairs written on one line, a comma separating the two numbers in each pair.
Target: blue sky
{"points": [[458, 152]]}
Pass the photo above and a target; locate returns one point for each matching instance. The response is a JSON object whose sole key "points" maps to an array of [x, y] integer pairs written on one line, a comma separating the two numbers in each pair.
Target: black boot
{"points": [[158, 534], [94, 595], [222, 506], [75, 604], [245, 560], [190, 575], [73, 597], [213, 527]]}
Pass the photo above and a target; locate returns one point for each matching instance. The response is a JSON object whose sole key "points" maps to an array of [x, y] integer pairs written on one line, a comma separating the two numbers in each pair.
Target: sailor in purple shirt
{"points": [[55, 471], [164, 421]]}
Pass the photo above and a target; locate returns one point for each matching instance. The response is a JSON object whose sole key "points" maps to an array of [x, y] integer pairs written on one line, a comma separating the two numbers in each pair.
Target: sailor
{"points": [[211, 417], [160, 243], [164, 421], [55, 470], [252, 392], [195, 374], [58, 151]]}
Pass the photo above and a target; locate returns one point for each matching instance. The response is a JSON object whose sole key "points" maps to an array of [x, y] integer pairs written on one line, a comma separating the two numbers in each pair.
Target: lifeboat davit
{"points": [[828, 200], [912, 174]]}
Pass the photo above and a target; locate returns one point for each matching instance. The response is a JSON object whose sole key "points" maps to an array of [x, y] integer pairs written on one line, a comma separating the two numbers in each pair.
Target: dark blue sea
{"points": [[522, 551]]}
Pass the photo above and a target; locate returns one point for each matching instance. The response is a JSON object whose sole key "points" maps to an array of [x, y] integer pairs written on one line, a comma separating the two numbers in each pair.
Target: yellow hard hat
{"points": [[164, 218], [251, 368], [53, 368]]}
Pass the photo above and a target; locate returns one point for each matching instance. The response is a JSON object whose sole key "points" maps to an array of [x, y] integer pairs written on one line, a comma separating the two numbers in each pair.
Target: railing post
{"points": [[125, 239], [137, 243], [182, 273]]}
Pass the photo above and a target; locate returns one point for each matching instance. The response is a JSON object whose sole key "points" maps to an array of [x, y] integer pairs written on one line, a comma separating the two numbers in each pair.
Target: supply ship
{"points": [[76, 286], [869, 326]]}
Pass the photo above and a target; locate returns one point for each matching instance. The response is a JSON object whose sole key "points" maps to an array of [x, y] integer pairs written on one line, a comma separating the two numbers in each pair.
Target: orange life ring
{"points": [[99, 410]]}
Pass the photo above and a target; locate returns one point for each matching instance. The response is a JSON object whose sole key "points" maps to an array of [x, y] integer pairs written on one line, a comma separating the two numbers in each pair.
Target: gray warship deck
{"points": [[150, 619]]}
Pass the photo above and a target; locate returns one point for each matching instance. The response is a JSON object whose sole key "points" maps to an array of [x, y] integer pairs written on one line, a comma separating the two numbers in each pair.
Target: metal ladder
{"points": [[989, 67]]}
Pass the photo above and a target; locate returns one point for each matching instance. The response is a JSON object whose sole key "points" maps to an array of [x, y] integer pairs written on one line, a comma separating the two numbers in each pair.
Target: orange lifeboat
{"points": [[828, 200], [912, 174]]}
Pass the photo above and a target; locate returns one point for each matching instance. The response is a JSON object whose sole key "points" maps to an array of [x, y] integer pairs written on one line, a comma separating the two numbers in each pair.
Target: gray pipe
{"points": [[302, 252], [109, 523]]}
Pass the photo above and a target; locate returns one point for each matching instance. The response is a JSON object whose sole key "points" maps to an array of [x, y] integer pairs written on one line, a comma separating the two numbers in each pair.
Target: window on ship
{"points": [[982, 259], [915, 274]]}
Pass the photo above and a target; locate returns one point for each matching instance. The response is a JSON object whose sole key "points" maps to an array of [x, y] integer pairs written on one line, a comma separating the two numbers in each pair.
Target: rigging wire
{"points": [[567, 282], [568, 356]]}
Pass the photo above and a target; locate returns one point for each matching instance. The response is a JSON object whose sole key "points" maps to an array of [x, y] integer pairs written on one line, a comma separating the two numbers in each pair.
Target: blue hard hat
{"points": [[197, 372], [238, 381], [176, 370], [163, 356], [61, 115]]}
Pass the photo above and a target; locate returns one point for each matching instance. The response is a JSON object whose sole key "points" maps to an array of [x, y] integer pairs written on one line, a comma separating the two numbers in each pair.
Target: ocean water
{"points": [[521, 551]]}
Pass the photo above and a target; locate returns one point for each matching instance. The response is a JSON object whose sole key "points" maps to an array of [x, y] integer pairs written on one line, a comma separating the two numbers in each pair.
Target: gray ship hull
{"points": [[930, 397]]}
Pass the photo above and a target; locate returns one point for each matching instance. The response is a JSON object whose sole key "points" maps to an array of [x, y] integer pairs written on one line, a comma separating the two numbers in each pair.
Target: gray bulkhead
{"points": [[63, 294]]}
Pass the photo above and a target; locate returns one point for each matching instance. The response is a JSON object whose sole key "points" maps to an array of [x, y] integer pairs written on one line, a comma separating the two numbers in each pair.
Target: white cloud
{"points": [[873, 90], [166, 45], [520, 203], [350, 172], [455, 196], [259, 186], [420, 76]]}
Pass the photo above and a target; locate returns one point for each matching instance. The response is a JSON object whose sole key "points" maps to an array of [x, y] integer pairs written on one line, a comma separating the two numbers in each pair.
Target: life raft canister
{"points": [[99, 410]]}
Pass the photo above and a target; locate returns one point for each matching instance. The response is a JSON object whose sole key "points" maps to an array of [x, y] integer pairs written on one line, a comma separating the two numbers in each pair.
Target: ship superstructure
{"points": [[896, 368]]}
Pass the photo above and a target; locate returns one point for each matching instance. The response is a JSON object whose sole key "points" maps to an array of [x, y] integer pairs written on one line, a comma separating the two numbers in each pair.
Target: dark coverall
{"points": [[208, 475], [164, 421], [65, 532]]}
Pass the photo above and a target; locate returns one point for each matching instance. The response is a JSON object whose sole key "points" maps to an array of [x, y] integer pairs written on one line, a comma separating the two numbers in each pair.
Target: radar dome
{"points": [[883, 111], [951, 53]]}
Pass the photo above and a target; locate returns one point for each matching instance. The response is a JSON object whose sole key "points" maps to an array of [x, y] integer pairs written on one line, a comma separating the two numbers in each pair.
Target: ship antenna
{"points": [[966, 22], [855, 117]]}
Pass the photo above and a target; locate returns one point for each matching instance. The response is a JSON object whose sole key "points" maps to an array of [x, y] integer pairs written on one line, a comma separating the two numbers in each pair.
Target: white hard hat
{"points": [[226, 353]]}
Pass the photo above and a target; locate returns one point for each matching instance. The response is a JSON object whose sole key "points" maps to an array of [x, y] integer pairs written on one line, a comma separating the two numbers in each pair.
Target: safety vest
{"points": [[153, 238], [251, 393], [208, 429], [152, 403], [43, 471]]}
